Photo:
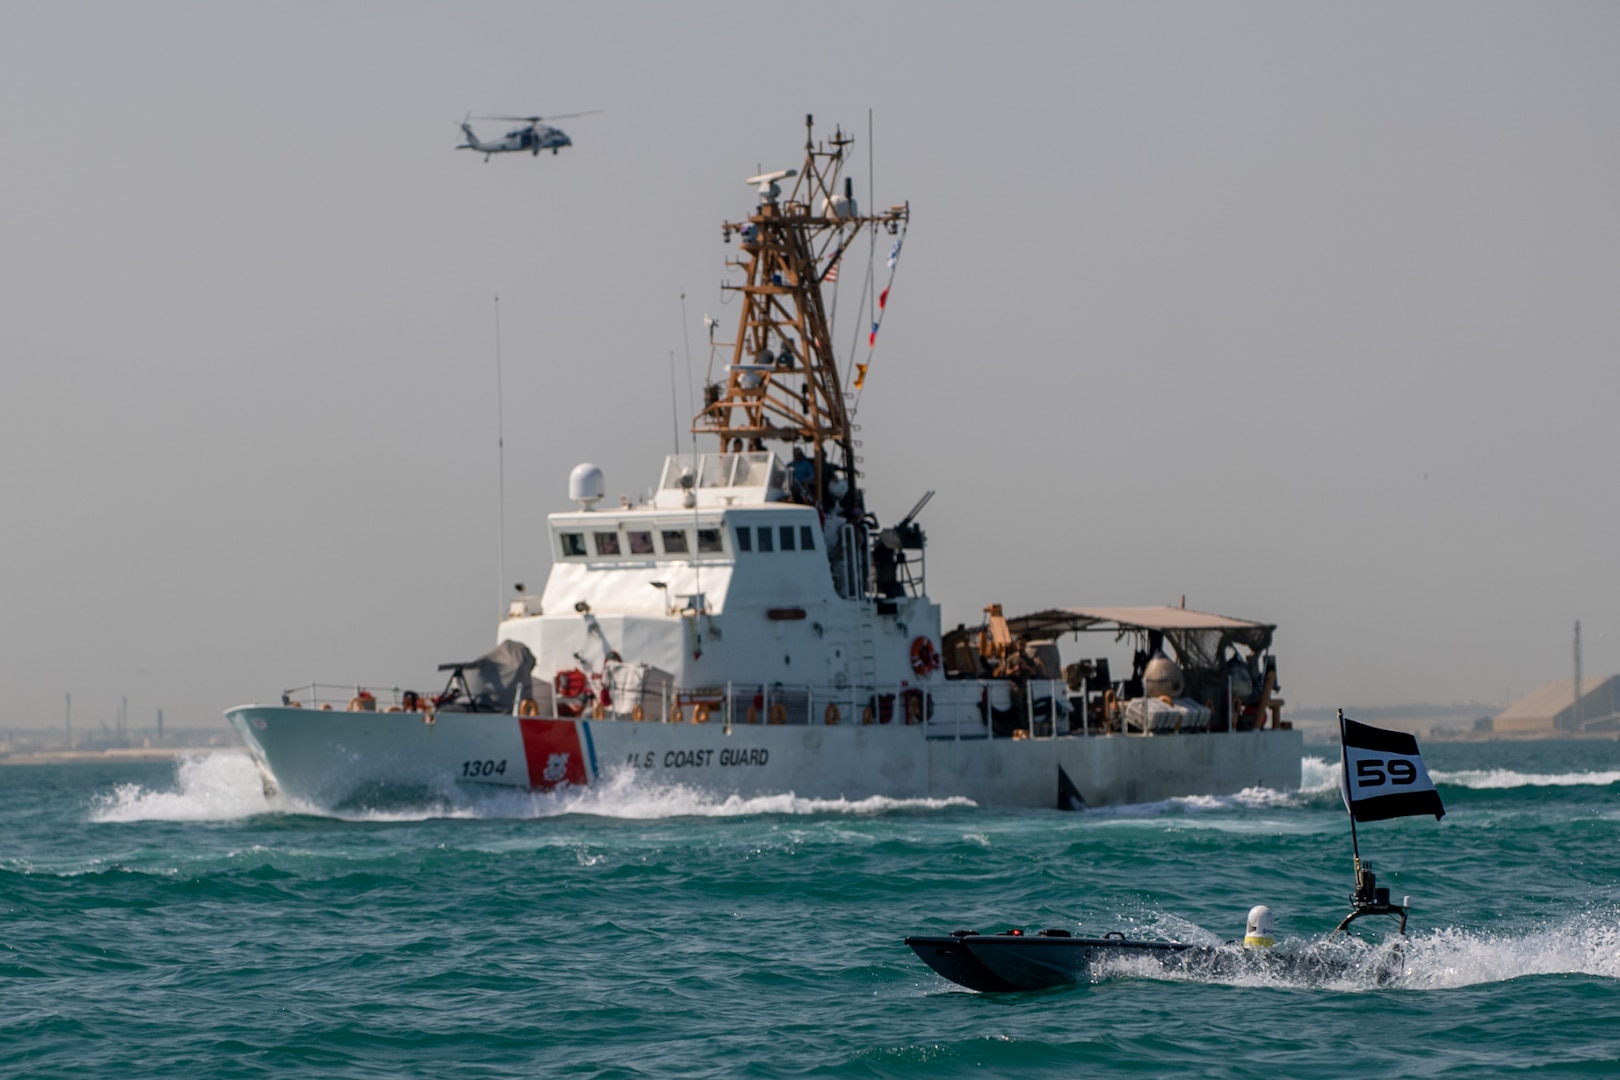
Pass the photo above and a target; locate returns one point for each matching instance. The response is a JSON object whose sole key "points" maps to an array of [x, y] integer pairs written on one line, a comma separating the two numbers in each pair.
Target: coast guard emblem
{"points": [[556, 768]]}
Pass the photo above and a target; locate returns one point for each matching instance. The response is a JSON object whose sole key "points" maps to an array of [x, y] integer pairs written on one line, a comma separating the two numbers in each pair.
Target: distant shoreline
{"points": [[123, 753], [1330, 738]]}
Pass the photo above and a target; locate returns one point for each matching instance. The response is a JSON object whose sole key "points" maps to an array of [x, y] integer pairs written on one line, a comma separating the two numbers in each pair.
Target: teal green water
{"points": [[167, 921]]}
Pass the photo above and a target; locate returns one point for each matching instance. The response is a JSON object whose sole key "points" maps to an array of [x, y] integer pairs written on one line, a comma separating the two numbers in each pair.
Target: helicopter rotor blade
{"points": [[537, 119]]}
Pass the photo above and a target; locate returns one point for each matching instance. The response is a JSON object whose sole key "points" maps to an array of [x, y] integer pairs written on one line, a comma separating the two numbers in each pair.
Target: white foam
{"points": [[628, 796], [1586, 945], [222, 786], [1318, 775], [1441, 959], [228, 787], [1497, 779]]}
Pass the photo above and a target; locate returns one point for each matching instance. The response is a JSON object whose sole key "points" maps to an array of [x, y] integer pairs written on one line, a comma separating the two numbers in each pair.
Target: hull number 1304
{"points": [[483, 768]]}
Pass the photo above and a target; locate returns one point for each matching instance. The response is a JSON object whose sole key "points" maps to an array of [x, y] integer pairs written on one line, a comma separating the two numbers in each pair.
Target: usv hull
{"points": [[328, 759]]}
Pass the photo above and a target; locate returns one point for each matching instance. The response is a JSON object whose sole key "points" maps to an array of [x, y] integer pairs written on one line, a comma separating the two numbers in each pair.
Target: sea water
{"points": [[170, 920]]}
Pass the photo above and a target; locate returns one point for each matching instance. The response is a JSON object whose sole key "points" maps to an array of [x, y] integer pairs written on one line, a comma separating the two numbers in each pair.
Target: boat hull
{"points": [[999, 963], [1006, 962], [330, 758]]}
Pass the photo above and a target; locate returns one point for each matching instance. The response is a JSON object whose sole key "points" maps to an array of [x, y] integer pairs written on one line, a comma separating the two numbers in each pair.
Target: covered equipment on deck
{"points": [[492, 683]]}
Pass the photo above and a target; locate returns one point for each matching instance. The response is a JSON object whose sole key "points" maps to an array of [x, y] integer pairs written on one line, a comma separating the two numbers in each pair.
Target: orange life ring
{"points": [[636, 713], [753, 715], [530, 707], [597, 712], [700, 715], [914, 706], [355, 704], [779, 713], [831, 717], [924, 657], [866, 714]]}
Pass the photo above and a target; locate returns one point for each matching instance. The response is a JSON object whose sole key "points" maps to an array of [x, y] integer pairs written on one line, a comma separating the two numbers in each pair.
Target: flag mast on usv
{"points": [[1382, 777]]}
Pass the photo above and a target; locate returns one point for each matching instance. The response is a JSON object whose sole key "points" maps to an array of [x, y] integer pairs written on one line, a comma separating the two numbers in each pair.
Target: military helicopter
{"points": [[535, 137]]}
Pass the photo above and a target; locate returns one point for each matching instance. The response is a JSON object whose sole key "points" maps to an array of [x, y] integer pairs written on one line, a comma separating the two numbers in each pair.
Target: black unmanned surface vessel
{"points": [[1013, 960], [1383, 778]]}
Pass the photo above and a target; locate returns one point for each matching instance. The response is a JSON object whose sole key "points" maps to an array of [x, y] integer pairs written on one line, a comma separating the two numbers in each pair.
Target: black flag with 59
{"points": [[1383, 776]]}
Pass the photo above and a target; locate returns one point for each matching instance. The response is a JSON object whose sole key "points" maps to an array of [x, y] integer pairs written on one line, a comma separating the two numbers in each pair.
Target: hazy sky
{"points": [[1308, 312]]}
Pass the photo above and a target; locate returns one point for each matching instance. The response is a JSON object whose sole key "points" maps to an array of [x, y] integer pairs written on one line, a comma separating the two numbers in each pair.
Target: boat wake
{"points": [[1443, 959], [1317, 777], [1319, 786], [1500, 779], [228, 787]]}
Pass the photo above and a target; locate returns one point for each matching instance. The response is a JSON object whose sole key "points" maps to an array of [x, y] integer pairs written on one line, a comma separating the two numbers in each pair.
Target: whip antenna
{"points": [[674, 408], [500, 454]]}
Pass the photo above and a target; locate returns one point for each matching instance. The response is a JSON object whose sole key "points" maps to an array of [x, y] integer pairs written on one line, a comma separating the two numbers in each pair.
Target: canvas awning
{"points": [[1194, 634]]}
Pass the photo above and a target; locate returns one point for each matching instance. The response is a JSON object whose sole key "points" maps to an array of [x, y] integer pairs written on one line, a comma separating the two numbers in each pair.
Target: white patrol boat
{"points": [[752, 629]]}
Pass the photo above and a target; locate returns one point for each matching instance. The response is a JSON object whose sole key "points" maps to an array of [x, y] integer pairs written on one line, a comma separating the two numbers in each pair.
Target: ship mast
{"points": [[783, 381]]}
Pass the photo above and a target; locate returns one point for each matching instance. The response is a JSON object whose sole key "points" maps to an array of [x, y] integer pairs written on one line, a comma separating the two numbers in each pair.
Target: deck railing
{"points": [[956, 709]]}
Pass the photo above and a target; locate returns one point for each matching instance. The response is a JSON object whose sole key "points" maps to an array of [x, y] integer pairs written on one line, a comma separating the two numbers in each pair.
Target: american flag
{"points": [[832, 273]]}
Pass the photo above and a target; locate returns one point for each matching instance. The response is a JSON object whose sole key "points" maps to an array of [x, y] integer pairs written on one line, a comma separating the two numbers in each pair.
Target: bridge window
{"points": [[807, 538], [765, 539], [745, 538], [640, 543], [607, 543], [787, 537], [675, 542], [573, 545], [709, 541]]}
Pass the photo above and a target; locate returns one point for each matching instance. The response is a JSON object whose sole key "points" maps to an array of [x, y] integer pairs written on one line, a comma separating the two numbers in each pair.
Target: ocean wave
{"points": [[1317, 777], [228, 787], [1256, 798], [1498, 779]]}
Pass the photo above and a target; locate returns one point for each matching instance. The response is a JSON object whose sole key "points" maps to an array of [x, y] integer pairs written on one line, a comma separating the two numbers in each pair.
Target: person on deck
{"points": [[802, 476]]}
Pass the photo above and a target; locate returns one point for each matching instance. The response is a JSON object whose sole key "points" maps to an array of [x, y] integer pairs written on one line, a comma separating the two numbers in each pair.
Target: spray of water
{"points": [[207, 787], [228, 787], [1446, 958]]}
